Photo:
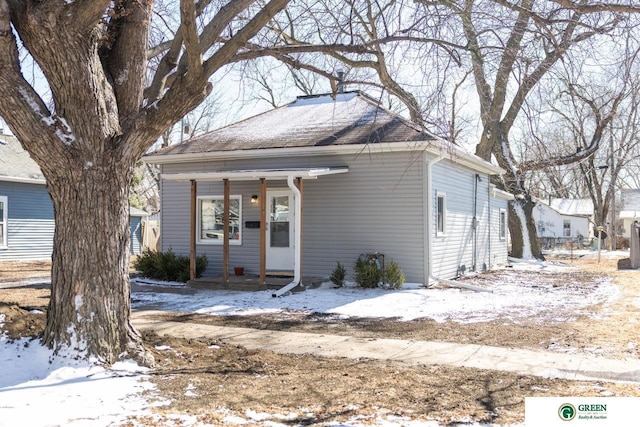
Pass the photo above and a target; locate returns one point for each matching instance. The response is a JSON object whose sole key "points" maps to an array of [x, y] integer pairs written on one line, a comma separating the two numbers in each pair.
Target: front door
{"points": [[280, 231]]}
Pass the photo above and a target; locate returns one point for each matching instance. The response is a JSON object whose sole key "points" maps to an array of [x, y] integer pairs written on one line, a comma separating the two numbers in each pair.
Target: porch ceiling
{"points": [[254, 174]]}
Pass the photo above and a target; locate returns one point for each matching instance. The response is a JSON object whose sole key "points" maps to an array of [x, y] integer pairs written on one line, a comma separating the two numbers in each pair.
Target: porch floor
{"points": [[251, 283]]}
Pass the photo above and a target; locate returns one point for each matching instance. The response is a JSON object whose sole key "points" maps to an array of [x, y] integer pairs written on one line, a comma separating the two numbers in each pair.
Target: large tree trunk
{"points": [[89, 309], [522, 228]]}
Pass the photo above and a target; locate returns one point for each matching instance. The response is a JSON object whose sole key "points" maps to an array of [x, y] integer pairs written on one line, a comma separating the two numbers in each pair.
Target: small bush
{"points": [[168, 266], [393, 275], [338, 275], [367, 274]]}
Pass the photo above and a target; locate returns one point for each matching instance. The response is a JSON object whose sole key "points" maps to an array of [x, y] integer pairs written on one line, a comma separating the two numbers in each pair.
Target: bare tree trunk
{"points": [[89, 310], [522, 229]]}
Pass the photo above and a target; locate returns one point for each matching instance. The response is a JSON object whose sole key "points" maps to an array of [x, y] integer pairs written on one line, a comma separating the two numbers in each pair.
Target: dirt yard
{"points": [[215, 381]]}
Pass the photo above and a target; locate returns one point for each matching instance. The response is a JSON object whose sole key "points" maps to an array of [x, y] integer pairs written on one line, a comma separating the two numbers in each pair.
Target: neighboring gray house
{"points": [[322, 180], [26, 211]]}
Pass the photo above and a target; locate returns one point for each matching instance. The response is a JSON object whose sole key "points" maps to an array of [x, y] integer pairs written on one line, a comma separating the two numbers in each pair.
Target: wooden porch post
{"points": [[225, 233], [299, 185], [192, 231], [263, 231]]}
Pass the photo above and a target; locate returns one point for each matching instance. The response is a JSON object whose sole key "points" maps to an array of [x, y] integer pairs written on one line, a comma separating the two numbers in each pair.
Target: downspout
{"points": [[474, 224], [297, 238], [428, 165], [489, 223]]}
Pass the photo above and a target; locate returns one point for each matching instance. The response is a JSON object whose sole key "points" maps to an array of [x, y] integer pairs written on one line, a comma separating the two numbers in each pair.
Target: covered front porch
{"points": [[279, 226]]}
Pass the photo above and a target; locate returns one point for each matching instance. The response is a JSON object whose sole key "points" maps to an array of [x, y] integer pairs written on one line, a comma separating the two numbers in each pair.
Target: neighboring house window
{"points": [[3, 221], [441, 213], [211, 219], [503, 224], [566, 228]]}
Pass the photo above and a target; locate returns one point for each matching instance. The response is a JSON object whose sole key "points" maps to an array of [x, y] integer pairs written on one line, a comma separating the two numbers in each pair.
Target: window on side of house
{"points": [[566, 228], [3, 221], [210, 217], [502, 234], [441, 213]]}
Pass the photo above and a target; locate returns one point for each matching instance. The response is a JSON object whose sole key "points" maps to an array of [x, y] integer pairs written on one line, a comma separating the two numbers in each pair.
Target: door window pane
{"points": [[279, 229]]}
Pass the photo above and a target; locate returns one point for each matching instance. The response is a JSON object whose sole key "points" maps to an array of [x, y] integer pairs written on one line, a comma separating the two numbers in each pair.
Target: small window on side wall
{"points": [[210, 219], [566, 228], [502, 234], [3, 221], [441, 213]]}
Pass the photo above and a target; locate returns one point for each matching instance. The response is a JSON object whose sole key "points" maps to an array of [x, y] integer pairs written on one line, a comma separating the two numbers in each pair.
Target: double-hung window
{"points": [[3, 221], [566, 228], [210, 219], [502, 234], [441, 213]]}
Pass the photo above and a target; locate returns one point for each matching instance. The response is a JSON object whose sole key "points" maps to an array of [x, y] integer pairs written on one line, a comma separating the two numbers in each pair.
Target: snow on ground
{"points": [[38, 389], [510, 298]]}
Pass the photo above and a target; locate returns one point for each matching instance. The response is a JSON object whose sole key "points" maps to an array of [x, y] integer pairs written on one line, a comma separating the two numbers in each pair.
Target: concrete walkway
{"points": [[528, 362]]}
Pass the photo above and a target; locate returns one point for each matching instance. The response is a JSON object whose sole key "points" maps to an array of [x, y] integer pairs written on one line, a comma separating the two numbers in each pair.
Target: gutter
{"points": [[436, 146], [297, 268], [23, 180], [428, 166]]}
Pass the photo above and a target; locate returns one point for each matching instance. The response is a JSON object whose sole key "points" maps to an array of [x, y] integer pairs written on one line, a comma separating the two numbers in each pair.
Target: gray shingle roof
{"points": [[311, 121], [15, 162]]}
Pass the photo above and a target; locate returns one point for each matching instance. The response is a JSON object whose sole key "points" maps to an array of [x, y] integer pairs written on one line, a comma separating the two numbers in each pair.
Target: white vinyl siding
{"points": [[462, 248], [3, 221]]}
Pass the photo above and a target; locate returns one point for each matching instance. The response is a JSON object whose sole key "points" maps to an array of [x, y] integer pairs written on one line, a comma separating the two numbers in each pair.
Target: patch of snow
{"points": [[532, 296], [31, 101], [42, 389], [162, 347], [189, 391]]}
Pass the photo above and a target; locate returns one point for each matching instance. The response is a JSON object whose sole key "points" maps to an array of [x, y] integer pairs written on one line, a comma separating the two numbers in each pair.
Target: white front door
{"points": [[280, 231]]}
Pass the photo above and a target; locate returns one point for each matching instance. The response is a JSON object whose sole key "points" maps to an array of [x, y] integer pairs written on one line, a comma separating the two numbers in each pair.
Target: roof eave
{"points": [[23, 180], [436, 146]]}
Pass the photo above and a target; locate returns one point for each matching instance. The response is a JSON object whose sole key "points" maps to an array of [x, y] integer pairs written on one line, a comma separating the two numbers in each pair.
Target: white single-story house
{"points": [[563, 219], [322, 180], [26, 210], [630, 210]]}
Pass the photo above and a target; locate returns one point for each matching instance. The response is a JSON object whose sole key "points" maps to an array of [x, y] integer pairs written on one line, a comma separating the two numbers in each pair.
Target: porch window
{"points": [[211, 220], [3, 221], [441, 214], [566, 228], [503, 225]]}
